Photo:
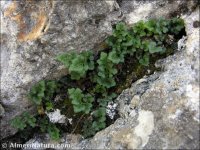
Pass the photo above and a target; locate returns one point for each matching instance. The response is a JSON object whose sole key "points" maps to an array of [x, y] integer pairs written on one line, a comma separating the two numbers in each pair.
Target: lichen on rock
{"points": [[56, 117], [160, 111]]}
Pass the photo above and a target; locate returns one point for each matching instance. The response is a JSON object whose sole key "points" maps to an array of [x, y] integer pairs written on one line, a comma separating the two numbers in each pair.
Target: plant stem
{"points": [[77, 123]]}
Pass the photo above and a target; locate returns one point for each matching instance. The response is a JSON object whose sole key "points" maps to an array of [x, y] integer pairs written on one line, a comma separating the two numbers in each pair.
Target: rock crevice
{"points": [[160, 111]]}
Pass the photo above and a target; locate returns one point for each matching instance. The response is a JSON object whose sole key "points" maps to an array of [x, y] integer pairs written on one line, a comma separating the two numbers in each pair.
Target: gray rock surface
{"points": [[160, 111], [34, 32], [32, 38]]}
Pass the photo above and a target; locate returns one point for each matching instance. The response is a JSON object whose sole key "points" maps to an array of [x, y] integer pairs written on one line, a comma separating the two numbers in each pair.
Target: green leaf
{"points": [[53, 132], [101, 74], [153, 49], [76, 95], [128, 41], [49, 106], [81, 102], [145, 60], [88, 98], [87, 107], [88, 129], [100, 117], [78, 108], [112, 56], [66, 58], [43, 124], [121, 26], [110, 41], [37, 93], [29, 119], [50, 89], [99, 89], [77, 64], [165, 30], [107, 98], [18, 123]]}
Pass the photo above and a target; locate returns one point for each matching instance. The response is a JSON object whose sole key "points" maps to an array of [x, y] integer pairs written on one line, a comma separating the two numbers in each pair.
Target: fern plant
{"points": [[21, 122], [140, 42], [144, 60], [50, 88], [77, 64], [37, 93], [43, 90], [96, 124], [103, 102], [18, 123], [176, 25], [81, 102], [48, 127], [41, 94], [100, 117], [53, 131], [106, 71]]}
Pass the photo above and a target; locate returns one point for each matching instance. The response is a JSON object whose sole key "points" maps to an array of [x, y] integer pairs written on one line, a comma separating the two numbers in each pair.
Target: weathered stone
{"points": [[33, 34], [159, 111], [170, 98], [2, 111]]}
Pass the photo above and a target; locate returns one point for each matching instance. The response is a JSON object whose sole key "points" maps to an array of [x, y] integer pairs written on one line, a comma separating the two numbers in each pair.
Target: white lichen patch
{"points": [[70, 120], [145, 126], [111, 109], [56, 117]]}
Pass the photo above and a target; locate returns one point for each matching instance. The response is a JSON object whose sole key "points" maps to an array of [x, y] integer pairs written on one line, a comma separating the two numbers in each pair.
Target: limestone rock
{"points": [[2, 111], [34, 32], [165, 105]]}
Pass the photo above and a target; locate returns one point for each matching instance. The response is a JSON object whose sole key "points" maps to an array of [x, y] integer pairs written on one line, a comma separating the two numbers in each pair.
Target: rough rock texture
{"points": [[34, 32], [160, 111]]}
